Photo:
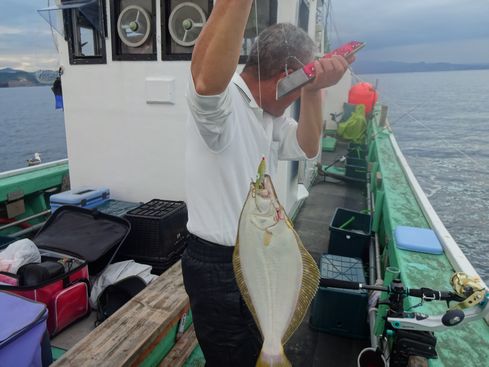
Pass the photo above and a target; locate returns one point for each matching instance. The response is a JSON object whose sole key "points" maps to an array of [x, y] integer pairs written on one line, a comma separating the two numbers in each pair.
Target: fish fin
{"points": [[309, 287], [279, 360]]}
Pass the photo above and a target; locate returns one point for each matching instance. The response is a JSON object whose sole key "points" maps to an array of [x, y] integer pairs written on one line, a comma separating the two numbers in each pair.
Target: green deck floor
{"points": [[467, 345]]}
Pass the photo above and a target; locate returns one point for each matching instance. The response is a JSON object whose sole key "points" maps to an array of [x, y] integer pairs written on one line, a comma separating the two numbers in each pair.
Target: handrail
{"points": [[453, 252], [38, 167], [12, 224], [455, 255]]}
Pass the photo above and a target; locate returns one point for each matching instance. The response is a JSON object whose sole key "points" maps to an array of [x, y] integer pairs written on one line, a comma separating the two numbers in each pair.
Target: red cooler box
{"points": [[74, 243]]}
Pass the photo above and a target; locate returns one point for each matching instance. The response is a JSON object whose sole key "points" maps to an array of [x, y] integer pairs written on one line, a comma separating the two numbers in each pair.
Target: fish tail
{"points": [[277, 360]]}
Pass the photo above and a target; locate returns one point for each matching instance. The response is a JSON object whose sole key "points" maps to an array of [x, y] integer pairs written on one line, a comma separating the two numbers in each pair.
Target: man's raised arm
{"points": [[217, 50]]}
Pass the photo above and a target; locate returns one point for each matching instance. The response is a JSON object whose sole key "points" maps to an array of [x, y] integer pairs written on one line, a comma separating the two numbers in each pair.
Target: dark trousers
{"points": [[223, 324]]}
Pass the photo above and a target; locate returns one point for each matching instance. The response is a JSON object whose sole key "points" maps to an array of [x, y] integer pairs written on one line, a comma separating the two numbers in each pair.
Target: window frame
{"points": [[166, 39], [70, 25], [115, 41], [273, 20]]}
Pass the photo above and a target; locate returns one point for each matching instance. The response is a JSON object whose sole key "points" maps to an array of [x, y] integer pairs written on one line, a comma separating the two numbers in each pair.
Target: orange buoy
{"points": [[363, 93]]}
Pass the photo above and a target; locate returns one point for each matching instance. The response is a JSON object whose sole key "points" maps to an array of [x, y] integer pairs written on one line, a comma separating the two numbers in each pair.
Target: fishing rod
{"points": [[472, 298]]}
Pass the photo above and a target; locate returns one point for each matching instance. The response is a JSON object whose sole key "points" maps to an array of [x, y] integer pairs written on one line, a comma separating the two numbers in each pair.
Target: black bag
{"points": [[35, 274], [116, 295]]}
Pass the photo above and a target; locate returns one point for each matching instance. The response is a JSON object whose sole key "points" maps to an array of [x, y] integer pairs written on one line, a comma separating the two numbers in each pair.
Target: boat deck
{"points": [[308, 347]]}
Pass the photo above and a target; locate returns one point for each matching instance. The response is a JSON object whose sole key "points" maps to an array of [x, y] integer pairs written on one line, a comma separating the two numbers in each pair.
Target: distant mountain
{"points": [[372, 67], [19, 78]]}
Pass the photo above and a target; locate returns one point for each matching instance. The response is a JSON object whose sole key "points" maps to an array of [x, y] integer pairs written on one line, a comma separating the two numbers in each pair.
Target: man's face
{"points": [[277, 107]]}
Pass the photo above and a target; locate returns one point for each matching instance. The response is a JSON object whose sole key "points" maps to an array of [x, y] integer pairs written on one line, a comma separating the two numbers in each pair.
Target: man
{"points": [[234, 121]]}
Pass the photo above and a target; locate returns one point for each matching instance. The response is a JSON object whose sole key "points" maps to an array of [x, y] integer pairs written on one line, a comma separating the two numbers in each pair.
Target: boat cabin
{"points": [[125, 69]]}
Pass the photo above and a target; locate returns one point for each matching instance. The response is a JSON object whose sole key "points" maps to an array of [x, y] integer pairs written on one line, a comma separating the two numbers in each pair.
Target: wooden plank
{"points": [[135, 328], [182, 349]]}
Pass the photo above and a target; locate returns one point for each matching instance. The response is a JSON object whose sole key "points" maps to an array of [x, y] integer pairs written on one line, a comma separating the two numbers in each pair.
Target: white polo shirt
{"points": [[227, 136]]}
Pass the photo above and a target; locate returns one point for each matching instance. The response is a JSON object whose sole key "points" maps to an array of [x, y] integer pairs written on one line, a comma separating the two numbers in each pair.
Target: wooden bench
{"points": [[135, 332]]}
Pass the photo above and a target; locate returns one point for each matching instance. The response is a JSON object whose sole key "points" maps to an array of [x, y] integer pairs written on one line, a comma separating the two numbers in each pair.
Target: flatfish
{"points": [[276, 275]]}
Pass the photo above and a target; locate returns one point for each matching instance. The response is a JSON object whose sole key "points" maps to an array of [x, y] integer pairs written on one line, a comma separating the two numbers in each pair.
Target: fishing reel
{"points": [[412, 333], [472, 304]]}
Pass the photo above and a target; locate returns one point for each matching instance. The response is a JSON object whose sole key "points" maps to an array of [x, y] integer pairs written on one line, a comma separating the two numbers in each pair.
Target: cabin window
{"points": [[84, 30], [267, 15], [181, 24], [133, 30], [304, 15]]}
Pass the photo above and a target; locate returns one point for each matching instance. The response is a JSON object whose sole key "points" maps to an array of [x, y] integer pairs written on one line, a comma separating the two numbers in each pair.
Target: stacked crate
{"points": [[344, 311]]}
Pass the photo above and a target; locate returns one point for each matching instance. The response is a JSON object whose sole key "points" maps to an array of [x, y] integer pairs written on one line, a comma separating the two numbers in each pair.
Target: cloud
{"points": [[473, 51], [9, 30], [394, 25], [25, 38], [29, 62]]}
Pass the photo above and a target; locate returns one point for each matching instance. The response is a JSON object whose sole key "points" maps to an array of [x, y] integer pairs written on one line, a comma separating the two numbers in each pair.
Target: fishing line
{"points": [[53, 37], [333, 23], [258, 53]]}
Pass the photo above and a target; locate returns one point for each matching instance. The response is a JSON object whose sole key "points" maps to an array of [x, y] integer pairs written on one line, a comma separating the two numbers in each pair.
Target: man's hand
{"points": [[328, 72]]}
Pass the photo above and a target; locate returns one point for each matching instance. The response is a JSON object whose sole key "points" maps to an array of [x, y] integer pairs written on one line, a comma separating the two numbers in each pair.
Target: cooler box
{"points": [[158, 231], [23, 334], [83, 197], [341, 311], [349, 233]]}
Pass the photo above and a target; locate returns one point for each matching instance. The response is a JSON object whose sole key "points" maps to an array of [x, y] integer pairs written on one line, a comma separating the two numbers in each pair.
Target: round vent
{"points": [[134, 26], [185, 23]]}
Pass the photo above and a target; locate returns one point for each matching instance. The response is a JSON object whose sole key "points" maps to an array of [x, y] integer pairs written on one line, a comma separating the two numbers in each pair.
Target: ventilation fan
{"points": [[134, 26], [185, 23]]}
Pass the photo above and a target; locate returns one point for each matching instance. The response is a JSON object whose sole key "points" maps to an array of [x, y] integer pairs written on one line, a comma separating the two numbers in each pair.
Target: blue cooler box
{"points": [[341, 311], [83, 197], [23, 333]]}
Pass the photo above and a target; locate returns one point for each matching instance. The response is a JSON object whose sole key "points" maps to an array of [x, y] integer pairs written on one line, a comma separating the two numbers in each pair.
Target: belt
{"points": [[209, 251]]}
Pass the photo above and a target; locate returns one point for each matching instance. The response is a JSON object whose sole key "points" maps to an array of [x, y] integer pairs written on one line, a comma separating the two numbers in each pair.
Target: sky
{"points": [[455, 31]]}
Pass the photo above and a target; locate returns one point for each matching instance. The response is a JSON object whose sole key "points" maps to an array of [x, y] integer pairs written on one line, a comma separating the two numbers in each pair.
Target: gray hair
{"points": [[279, 45]]}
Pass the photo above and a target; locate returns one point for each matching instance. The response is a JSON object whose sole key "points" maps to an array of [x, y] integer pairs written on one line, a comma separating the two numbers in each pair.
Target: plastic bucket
{"points": [[371, 357]]}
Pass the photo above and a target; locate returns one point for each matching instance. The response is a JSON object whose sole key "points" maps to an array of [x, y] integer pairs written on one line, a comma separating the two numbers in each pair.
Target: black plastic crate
{"points": [[349, 233], [357, 154], [157, 227], [356, 168], [360, 150], [341, 311], [159, 265]]}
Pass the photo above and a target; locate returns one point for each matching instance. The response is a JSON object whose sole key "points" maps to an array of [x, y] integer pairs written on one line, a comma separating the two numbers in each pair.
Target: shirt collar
{"points": [[245, 91]]}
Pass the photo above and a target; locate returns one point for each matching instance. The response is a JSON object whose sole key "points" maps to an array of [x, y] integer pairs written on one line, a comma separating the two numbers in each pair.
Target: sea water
{"points": [[29, 123]]}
